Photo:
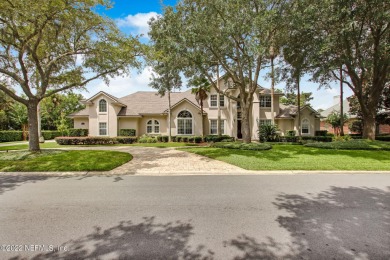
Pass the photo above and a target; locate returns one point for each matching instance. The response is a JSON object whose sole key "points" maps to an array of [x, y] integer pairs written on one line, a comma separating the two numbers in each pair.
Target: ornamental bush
{"points": [[95, 140], [321, 133], [11, 136], [127, 132], [359, 144], [242, 146], [77, 132], [217, 138], [147, 139]]}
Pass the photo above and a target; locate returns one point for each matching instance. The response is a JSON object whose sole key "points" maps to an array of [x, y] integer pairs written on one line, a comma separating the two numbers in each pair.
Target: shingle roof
{"points": [[336, 108], [147, 102], [83, 112], [290, 111]]}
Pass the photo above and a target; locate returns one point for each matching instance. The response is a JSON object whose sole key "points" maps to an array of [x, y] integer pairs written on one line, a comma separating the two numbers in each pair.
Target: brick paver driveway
{"points": [[161, 161]]}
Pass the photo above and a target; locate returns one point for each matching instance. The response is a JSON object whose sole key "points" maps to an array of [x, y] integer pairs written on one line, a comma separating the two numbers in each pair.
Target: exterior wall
{"points": [[384, 129], [95, 117], [80, 123], [314, 122], [129, 123], [196, 118], [162, 119], [285, 125]]}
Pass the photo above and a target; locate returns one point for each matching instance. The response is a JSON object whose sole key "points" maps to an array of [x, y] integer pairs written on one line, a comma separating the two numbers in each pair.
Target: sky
{"points": [[132, 17]]}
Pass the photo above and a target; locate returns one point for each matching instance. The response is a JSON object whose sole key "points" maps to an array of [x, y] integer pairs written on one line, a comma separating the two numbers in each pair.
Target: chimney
{"points": [[336, 100]]}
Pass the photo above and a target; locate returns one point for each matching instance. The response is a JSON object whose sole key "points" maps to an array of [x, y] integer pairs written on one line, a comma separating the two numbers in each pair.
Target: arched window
{"points": [[153, 127], [102, 105], [305, 126], [184, 123]]}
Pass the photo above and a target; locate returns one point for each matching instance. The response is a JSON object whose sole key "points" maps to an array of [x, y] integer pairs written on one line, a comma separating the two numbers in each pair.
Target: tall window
{"points": [[214, 100], [184, 123], [102, 105], [102, 128], [305, 126], [265, 101], [153, 127], [214, 126]]}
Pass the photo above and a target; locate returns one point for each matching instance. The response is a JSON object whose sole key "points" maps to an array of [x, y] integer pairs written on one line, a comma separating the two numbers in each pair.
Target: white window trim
{"points": [[153, 126], [224, 126], [99, 129], [192, 122], [265, 102], [99, 106], [216, 106], [308, 126]]}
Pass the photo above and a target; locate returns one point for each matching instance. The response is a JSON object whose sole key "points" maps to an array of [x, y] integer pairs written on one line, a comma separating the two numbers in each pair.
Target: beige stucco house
{"points": [[147, 113]]}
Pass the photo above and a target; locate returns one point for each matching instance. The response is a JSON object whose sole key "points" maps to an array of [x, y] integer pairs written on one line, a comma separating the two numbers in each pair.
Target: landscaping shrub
{"points": [[268, 132], [184, 139], [50, 134], [173, 138], [78, 132], [91, 140], [242, 146], [321, 133], [352, 145], [127, 132], [147, 139], [178, 139], [11, 136], [385, 138], [197, 139], [339, 138], [217, 138], [317, 138]]}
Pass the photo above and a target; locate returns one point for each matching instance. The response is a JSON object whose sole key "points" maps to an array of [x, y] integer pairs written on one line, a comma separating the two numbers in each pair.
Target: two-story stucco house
{"points": [[147, 113]]}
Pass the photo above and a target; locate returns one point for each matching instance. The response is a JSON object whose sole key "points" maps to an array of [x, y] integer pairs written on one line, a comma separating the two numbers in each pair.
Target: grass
{"points": [[51, 145], [353, 145], [297, 157], [59, 160]]}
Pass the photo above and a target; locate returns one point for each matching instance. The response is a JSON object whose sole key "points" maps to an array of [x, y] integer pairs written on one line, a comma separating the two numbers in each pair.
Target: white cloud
{"points": [[138, 23], [122, 86]]}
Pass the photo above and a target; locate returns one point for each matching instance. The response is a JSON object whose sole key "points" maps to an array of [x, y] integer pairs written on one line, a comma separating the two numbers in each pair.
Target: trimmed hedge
{"points": [[352, 145], [242, 146], [11, 136], [127, 132], [317, 138], [49, 134], [91, 140], [217, 138], [78, 132], [385, 138], [321, 133]]}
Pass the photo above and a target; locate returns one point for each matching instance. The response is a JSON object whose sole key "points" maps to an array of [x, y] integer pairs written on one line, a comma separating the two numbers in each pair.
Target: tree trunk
{"points": [[341, 104], [369, 125], [32, 110], [219, 128], [299, 106], [272, 90], [169, 118], [201, 116], [245, 124]]}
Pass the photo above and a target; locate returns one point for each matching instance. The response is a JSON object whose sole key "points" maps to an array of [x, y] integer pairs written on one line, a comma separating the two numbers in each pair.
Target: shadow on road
{"points": [[11, 182], [342, 223], [127, 240]]}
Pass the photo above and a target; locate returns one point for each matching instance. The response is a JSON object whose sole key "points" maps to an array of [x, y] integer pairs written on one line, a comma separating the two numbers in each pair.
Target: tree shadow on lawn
{"points": [[341, 223], [127, 240], [278, 154]]}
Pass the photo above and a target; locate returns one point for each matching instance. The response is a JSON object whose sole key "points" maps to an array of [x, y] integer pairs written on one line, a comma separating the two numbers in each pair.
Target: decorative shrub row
{"points": [[127, 132], [187, 139], [11, 136], [321, 133], [49, 134], [317, 138], [91, 140], [352, 145], [78, 132], [242, 146], [383, 138], [217, 138]]}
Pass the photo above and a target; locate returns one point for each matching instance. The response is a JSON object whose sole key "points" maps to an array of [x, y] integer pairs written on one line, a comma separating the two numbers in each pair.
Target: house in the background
{"points": [[147, 113], [381, 129]]}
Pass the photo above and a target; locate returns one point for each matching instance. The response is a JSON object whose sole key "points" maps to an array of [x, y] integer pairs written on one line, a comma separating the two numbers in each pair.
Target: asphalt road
{"points": [[196, 217]]}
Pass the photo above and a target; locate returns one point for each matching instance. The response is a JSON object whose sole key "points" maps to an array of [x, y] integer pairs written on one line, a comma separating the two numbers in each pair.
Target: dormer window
{"points": [[265, 101], [102, 106]]}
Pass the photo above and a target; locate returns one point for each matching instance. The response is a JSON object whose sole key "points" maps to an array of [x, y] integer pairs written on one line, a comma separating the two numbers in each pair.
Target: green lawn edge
{"points": [[66, 160], [297, 157]]}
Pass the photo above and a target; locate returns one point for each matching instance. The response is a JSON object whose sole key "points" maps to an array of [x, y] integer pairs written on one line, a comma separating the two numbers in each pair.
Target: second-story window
{"points": [[221, 100], [102, 105], [213, 100], [265, 101]]}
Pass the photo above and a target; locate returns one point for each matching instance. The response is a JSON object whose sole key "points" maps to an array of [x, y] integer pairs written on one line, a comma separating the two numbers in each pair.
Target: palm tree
{"points": [[200, 90]]}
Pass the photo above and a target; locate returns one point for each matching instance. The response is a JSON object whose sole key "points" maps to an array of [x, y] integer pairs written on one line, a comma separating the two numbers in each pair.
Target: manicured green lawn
{"points": [[55, 145], [297, 157], [60, 160]]}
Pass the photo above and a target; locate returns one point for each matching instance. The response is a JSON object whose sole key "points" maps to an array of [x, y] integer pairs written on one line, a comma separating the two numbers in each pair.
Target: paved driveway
{"points": [[162, 161]]}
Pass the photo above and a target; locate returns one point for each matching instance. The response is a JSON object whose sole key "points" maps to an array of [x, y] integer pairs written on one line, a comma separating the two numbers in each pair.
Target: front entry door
{"points": [[239, 134]]}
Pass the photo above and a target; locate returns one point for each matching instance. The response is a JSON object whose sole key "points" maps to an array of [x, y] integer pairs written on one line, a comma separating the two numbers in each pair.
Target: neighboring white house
{"points": [[147, 113]]}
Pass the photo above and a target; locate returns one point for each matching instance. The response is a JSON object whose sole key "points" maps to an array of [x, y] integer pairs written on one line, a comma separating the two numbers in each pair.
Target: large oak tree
{"points": [[49, 46]]}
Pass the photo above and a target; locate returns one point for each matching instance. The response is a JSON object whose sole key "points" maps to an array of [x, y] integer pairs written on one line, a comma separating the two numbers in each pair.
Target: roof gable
{"points": [[111, 97]]}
